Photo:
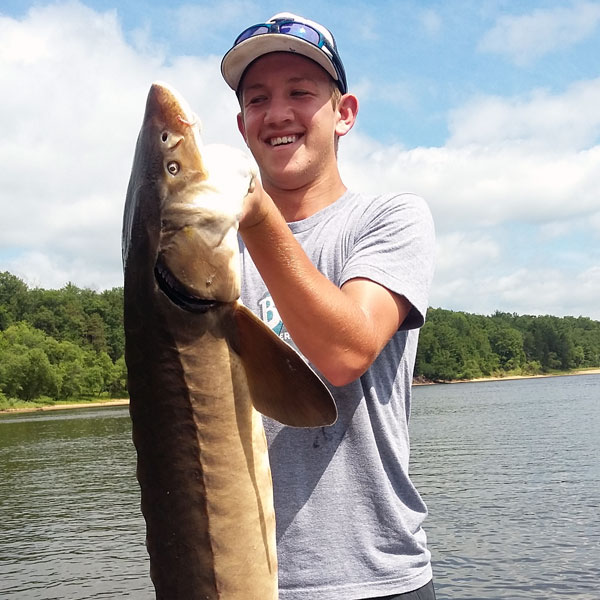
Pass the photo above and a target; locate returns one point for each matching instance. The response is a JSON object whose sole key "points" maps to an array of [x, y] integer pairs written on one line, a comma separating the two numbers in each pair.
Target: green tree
{"points": [[439, 353], [118, 382], [29, 375], [111, 310], [13, 299], [95, 332], [507, 343], [71, 365]]}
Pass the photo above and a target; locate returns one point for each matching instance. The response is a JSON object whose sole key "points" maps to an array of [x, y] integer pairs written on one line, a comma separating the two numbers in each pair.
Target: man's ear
{"points": [[241, 126], [347, 110]]}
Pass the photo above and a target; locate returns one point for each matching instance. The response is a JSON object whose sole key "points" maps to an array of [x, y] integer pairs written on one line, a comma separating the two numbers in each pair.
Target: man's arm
{"points": [[340, 331]]}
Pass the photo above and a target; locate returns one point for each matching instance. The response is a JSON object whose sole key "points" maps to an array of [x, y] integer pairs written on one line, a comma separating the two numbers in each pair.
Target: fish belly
{"points": [[204, 473]]}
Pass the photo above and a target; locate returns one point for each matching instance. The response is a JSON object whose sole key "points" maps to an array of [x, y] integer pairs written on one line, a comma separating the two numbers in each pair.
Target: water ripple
{"points": [[510, 472]]}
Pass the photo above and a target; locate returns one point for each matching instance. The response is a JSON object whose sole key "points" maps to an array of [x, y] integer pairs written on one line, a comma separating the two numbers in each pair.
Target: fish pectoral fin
{"points": [[283, 387]]}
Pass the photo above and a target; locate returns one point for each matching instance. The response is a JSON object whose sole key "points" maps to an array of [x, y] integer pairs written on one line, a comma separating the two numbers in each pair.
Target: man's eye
{"points": [[256, 99], [299, 93]]}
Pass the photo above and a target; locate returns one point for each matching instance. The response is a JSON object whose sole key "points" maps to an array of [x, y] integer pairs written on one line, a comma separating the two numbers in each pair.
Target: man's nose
{"points": [[278, 111]]}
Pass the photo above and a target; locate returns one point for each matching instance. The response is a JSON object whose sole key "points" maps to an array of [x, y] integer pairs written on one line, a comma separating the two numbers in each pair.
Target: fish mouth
{"points": [[178, 294]]}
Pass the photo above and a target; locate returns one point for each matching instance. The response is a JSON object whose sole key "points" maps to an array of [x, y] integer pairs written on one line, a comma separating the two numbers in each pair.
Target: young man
{"points": [[344, 277]]}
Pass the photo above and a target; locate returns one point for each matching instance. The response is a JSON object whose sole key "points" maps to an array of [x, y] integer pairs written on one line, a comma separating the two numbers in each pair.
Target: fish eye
{"points": [[173, 167]]}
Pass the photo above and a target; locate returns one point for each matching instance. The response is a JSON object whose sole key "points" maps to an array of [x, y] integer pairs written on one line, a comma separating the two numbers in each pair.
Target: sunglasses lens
{"points": [[301, 31], [250, 32]]}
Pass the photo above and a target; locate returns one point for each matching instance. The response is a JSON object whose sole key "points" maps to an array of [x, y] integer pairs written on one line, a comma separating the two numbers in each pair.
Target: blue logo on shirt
{"points": [[270, 315]]}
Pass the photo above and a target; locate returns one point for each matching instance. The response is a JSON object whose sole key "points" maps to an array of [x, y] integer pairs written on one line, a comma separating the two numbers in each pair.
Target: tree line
{"points": [[69, 343], [60, 344], [457, 345]]}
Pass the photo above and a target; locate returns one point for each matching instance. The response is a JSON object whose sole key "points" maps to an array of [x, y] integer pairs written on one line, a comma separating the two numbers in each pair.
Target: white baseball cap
{"points": [[284, 32]]}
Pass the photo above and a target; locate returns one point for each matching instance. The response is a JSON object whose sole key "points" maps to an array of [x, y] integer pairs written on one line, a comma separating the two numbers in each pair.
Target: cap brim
{"points": [[237, 60]]}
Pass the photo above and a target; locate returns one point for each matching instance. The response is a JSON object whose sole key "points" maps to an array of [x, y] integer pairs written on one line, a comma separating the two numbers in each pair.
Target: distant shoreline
{"points": [[595, 371], [125, 401], [98, 404]]}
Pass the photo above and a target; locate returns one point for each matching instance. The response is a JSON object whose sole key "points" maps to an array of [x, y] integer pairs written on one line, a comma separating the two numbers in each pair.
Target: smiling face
{"points": [[289, 122]]}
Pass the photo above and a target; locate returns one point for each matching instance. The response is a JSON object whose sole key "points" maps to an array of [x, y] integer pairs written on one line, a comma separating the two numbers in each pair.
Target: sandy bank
{"points": [[507, 377], [98, 404]]}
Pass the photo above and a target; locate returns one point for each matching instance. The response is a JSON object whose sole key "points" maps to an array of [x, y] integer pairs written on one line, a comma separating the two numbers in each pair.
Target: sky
{"points": [[489, 109]]}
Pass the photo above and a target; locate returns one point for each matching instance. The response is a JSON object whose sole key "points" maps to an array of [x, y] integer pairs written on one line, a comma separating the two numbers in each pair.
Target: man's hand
{"points": [[257, 205]]}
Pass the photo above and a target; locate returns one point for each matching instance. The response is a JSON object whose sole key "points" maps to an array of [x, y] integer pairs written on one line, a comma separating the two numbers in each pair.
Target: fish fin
{"points": [[282, 385]]}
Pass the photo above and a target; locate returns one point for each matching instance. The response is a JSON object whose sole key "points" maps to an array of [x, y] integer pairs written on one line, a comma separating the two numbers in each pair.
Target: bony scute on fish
{"points": [[200, 365]]}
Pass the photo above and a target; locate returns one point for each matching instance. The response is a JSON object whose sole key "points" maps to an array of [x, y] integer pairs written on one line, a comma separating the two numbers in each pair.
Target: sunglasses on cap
{"points": [[304, 32]]}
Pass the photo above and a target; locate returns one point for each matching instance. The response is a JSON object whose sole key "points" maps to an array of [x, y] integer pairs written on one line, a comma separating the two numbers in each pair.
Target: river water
{"points": [[510, 471]]}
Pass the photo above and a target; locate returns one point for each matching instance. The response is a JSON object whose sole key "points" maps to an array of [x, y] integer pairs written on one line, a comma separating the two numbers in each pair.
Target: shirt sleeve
{"points": [[395, 247]]}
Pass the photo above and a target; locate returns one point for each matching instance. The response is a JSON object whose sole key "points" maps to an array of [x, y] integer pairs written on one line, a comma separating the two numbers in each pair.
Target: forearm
{"points": [[328, 326]]}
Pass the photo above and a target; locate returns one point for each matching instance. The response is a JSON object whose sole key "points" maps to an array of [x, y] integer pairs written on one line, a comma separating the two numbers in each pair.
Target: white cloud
{"points": [[521, 290], [477, 185], [526, 38], [481, 271], [540, 120], [551, 291], [465, 251], [71, 105], [399, 93], [39, 269], [73, 94]]}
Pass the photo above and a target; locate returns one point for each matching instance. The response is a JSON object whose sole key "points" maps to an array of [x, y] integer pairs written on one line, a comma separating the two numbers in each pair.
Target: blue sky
{"points": [[488, 109]]}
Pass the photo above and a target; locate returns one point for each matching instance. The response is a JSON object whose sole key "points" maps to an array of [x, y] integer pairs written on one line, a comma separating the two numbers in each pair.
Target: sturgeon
{"points": [[200, 366]]}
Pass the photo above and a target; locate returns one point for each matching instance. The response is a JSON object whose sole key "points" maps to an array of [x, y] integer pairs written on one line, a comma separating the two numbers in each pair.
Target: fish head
{"points": [[188, 197]]}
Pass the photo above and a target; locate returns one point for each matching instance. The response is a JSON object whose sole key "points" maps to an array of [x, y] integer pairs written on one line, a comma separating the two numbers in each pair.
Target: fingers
{"points": [[257, 204]]}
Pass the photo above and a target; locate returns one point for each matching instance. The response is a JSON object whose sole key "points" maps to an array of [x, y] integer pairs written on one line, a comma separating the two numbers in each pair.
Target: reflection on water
{"points": [[510, 472], [71, 527]]}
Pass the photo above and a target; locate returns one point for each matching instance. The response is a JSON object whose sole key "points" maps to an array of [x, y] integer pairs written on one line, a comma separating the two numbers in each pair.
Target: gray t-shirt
{"points": [[348, 517]]}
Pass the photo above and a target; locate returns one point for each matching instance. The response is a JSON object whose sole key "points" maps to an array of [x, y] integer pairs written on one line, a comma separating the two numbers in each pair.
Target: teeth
{"points": [[286, 139]]}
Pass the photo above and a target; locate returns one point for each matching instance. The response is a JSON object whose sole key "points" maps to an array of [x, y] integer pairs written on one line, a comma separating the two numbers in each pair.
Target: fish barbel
{"points": [[200, 366]]}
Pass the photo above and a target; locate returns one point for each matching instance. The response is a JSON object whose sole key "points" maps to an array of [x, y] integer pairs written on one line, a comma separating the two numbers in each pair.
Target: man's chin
{"points": [[292, 178], [286, 177]]}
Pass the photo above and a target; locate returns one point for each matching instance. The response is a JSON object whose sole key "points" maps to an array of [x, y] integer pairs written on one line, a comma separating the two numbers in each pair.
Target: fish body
{"points": [[199, 365]]}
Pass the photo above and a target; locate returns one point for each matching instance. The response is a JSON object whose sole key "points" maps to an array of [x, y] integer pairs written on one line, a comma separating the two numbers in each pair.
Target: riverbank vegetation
{"points": [[59, 345], [463, 346], [68, 344]]}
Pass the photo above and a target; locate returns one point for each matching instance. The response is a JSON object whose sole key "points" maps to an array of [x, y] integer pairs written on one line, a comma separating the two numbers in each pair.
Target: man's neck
{"points": [[303, 202]]}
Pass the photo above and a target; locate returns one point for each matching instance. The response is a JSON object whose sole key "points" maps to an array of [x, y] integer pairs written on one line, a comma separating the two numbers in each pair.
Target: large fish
{"points": [[199, 363]]}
